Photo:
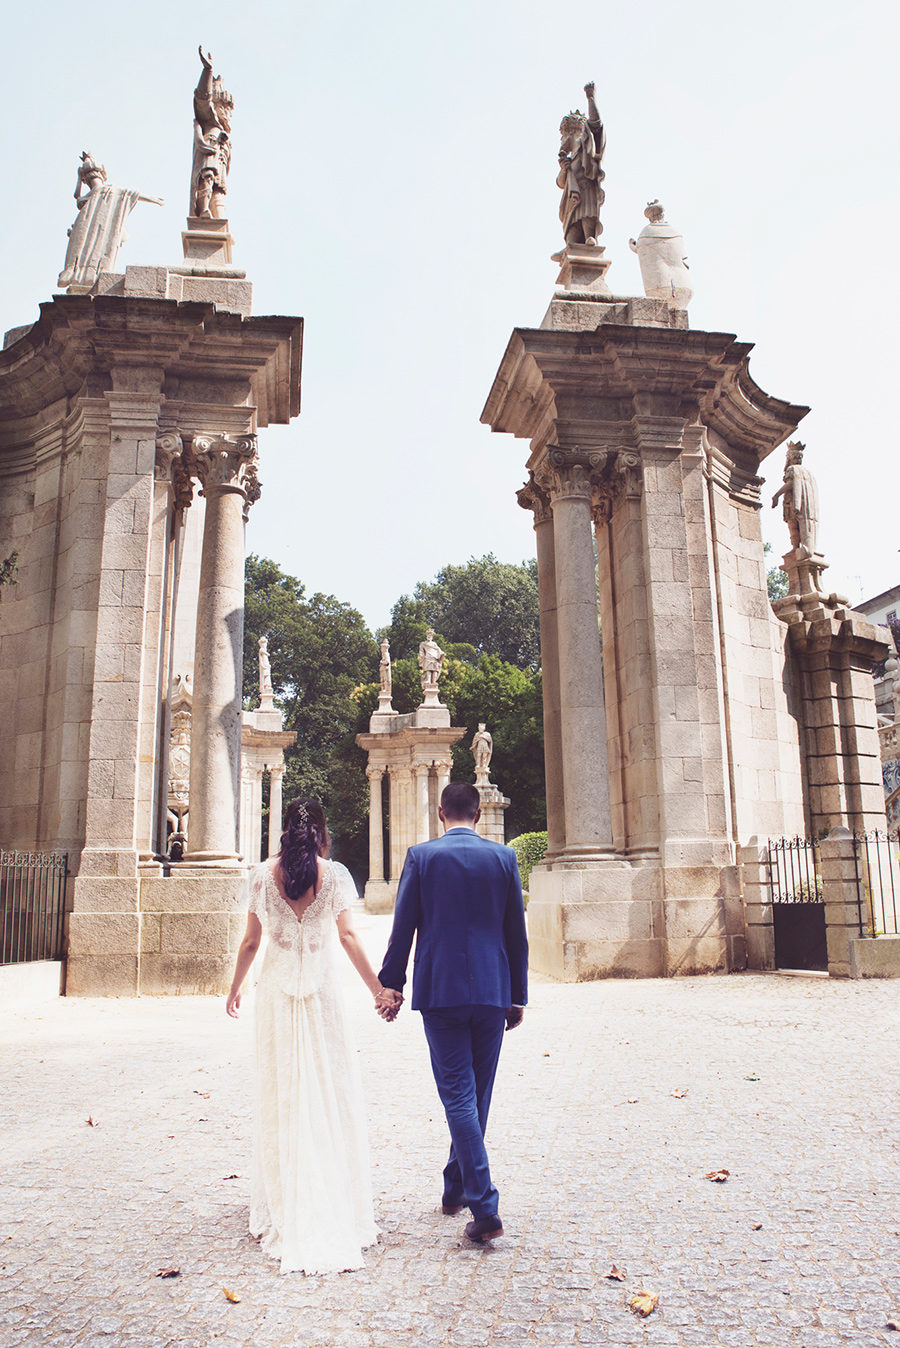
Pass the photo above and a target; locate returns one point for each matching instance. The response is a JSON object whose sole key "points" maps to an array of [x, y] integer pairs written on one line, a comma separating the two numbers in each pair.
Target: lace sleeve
{"points": [[255, 893], [345, 895]]}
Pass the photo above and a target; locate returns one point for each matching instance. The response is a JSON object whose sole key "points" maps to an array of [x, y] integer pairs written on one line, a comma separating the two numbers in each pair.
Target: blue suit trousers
{"points": [[464, 1042]]}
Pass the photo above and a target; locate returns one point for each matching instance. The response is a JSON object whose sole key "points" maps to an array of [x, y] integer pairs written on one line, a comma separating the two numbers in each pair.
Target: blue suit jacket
{"points": [[461, 896]]}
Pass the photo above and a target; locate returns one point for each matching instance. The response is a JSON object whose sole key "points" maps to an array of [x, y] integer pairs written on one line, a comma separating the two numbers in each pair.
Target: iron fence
{"points": [[32, 905], [878, 882], [793, 868]]}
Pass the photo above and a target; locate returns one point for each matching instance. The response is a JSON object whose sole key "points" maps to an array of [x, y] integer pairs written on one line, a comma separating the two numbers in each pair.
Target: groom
{"points": [[461, 897]]}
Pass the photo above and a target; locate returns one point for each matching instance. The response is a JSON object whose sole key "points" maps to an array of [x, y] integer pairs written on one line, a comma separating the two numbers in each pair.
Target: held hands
{"points": [[388, 1003]]}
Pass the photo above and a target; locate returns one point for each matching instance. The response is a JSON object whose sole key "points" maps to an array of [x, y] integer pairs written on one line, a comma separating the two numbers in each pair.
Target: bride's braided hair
{"points": [[304, 840]]}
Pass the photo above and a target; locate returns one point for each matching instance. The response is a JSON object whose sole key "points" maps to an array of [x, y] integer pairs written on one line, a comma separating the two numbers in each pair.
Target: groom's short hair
{"points": [[460, 800]]}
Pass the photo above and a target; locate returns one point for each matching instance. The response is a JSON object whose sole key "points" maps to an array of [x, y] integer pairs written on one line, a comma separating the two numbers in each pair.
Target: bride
{"points": [[311, 1196]]}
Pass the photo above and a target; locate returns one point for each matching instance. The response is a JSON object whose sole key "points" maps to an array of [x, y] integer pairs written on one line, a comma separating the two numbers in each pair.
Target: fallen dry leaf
{"points": [[205, 1094], [230, 1296], [231, 1177], [717, 1176], [892, 1324], [757, 1226], [680, 1092], [643, 1303], [616, 1274], [632, 1100], [168, 1272], [90, 1121]]}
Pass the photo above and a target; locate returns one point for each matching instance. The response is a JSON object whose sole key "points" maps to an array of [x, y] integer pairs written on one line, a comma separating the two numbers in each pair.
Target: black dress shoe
{"points": [[450, 1206], [484, 1228]]}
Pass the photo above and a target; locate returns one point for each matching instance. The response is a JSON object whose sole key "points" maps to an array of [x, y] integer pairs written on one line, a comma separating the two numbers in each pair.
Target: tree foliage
{"points": [[776, 579], [320, 650], [488, 605]]}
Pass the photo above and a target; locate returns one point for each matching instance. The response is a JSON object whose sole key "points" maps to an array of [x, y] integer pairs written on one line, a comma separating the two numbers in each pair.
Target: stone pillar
{"points": [[395, 822], [276, 809], [422, 831], [582, 713], [376, 824], [443, 778], [227, 469], [757, 905], [533, 498], [841, 898]]}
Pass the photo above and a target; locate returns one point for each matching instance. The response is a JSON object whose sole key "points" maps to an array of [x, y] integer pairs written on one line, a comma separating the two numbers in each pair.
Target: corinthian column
{"points": [[533, 498], [227, 470], [581, 710]]}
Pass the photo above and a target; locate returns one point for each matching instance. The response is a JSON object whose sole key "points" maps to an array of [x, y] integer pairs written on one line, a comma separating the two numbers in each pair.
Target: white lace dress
{"points": [[311, 1194]]}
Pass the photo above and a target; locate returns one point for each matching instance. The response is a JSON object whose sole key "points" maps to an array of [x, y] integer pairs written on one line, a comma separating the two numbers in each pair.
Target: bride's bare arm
{"points": [[358, 957], [245, 956]]}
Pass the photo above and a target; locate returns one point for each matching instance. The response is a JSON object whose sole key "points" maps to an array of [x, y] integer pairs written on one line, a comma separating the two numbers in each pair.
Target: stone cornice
{"points": [[631, 377], [84, 344]]}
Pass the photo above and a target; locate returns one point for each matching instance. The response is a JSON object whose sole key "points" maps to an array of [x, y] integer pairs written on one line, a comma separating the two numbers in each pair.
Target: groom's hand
{"points": [[514, 1016]]}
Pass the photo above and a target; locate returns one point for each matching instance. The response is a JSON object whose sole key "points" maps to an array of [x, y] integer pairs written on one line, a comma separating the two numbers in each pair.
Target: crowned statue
{"points": [[580, 173], [213, 106], [99, 228]]}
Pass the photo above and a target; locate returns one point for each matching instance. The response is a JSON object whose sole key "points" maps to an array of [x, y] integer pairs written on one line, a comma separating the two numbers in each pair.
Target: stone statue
{"points": [[99, 227], [580, 173], [431, 658], [482, 748], [384, 670], [801, 501], [265, 669], [213, 106], [660, 250]]}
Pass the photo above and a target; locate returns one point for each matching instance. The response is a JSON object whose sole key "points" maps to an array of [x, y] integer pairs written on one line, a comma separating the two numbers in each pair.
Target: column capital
{"points": [[533, 497], [375, 772], [572, 473], [174, 464], [226, 463]]}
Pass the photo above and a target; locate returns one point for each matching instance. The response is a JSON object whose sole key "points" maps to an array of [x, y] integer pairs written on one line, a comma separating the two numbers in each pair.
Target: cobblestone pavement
{"points": [[612, 1103]]}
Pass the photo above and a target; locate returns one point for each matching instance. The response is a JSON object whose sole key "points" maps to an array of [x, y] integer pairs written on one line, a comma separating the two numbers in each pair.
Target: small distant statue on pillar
{"points": [[431, 659], [99, 228], [482, 748], [580, 173], [660, 250], [266, 689], [213, 106], [385, 689]]}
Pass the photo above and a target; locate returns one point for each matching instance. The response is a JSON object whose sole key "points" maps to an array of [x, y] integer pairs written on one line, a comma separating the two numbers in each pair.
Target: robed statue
{"points": [[800, 505], [99, 228], [580, 173], [431, 658]]}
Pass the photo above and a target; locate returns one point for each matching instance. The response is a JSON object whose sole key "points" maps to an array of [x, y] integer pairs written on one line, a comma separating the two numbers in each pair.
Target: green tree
{"points": [[320, 650], [776, 579], [486, 604]]}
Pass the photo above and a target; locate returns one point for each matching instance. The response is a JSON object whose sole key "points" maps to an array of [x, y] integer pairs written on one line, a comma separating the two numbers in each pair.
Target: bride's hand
{"points": [[233, 1003]]}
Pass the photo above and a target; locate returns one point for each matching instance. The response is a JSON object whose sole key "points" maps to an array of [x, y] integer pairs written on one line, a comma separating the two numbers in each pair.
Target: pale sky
{"points": [[393, 182]]}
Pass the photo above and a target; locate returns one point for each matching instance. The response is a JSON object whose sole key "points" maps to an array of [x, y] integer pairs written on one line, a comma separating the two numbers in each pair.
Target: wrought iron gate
{"points": [[798, 910]]}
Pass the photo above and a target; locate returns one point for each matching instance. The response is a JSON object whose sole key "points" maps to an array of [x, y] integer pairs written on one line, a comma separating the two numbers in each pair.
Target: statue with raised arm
{"points": [[580, 173], [99, 228], [431, 658], [800, 506], [213, 106], [482, 748]]}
